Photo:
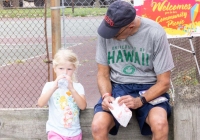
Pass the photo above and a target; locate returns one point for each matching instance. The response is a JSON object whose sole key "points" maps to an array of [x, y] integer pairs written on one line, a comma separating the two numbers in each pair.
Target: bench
{"points": [[29, 124]]}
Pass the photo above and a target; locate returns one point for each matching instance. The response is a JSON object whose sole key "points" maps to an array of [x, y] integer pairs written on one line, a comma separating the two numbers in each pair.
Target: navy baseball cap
{"points": [[119, 14]]}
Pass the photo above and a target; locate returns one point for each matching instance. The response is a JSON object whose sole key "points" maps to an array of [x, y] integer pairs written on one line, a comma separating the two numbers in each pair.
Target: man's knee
{"points": [[159, 125], [102, 123], [97, 127]]}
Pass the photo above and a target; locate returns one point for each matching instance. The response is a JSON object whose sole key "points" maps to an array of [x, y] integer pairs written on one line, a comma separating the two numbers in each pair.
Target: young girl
{"points": [[64, 102]]}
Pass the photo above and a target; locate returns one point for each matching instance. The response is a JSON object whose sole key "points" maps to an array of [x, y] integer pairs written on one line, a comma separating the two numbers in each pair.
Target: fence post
{"points": [[197, 49], [187, 113], [56, 27], [1, 4]]}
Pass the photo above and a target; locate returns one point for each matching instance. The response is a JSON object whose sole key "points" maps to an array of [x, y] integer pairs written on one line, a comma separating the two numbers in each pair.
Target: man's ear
{"points": [[132, 24]]}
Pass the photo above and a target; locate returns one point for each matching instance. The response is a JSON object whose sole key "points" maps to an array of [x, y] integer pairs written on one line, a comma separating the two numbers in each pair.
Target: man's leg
{"points": [[157, 120], [101, 125]]}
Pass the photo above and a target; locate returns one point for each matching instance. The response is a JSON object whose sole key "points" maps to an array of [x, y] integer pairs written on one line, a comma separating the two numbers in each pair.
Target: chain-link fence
{"points": [[25, 37], [185, 72], [22, 53]]}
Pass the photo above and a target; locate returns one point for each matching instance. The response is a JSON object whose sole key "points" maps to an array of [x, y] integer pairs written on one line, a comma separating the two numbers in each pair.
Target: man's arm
{"points": [[105, 87], [103, 79], [162, 85]]}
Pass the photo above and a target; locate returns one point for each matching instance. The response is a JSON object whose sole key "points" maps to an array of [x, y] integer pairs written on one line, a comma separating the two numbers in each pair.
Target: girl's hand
{"points": [[70, 82], [55, 84]]}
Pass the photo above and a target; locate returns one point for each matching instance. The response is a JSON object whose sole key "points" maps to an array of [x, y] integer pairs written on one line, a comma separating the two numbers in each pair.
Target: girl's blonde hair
{"points": [[65, 55]]}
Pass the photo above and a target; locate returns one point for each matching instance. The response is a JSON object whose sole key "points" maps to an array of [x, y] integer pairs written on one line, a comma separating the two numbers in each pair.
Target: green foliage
{"points": [[33, 13]]}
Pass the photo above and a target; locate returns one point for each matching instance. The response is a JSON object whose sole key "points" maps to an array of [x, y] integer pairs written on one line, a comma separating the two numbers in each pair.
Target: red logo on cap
{"points": [[109, 21]]}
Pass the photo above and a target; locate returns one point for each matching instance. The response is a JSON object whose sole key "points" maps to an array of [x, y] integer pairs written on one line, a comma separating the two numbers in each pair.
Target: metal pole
{"points": [[181, 48], [64, 32], [72, 6], [172, 90], [194, 54], [56, 28]]}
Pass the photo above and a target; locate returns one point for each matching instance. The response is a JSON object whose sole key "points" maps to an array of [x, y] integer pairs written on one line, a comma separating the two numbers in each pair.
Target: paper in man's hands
{"points": [[121, 113]]}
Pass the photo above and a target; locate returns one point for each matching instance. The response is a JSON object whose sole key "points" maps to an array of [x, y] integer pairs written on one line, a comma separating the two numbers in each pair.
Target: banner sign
{"points": [[179, 18]]}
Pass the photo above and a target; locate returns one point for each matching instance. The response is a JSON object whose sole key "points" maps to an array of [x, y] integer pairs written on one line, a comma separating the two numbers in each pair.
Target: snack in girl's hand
{"points": [[121, 113]]}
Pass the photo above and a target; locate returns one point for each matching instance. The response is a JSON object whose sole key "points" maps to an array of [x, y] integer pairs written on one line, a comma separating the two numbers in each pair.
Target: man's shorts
{"points": [[142, 112]]}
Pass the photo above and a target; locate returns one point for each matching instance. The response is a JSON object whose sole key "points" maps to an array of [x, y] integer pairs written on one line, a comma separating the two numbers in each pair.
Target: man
{"points": [[133, 55]]}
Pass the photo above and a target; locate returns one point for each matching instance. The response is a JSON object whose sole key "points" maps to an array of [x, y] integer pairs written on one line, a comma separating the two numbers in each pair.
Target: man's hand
{"points": [[130, 101], [106, 103]]}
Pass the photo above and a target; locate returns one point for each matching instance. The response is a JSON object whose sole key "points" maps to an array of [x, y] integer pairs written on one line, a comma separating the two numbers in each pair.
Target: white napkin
{"points": [[121, 113]]}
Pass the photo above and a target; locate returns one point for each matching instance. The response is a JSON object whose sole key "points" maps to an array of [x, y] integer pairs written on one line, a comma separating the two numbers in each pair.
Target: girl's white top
{"points": [[63, 111]]}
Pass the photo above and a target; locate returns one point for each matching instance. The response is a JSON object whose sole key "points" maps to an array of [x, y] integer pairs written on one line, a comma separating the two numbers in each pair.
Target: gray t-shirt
{"points": [[140, 57]]}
